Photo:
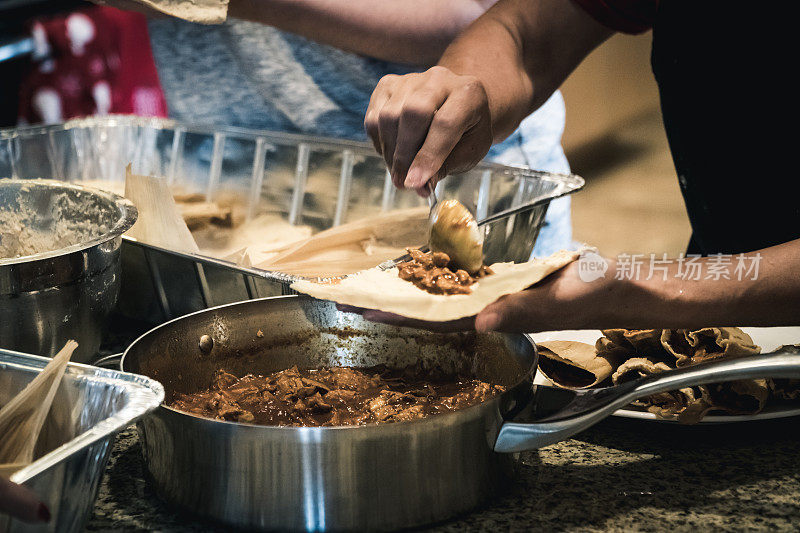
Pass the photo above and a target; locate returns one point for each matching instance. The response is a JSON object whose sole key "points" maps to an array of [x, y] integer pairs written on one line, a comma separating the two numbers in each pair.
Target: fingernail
{"points": [[43, 513], [414, 180]]}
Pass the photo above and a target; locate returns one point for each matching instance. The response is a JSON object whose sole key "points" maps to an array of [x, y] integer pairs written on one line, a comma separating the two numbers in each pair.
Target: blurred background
{"points": [[613, 136], [615, 139]]}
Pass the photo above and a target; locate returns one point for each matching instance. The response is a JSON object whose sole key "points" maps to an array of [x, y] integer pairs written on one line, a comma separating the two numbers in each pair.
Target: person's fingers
{"points": [[380, 96], [388, 123], [511, 313], [350, 309], [20, 502], [458, 114], [462, 324], [415, 119]]}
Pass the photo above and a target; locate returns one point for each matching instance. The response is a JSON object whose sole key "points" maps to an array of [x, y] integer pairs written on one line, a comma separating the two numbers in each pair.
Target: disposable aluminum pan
{"points": [[306, 180], [90, 407]]}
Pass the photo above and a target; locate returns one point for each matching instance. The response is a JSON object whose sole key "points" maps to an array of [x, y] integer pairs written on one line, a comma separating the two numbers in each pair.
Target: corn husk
{"points": [[574, 365], [22, 418], [385, 291], [200, 11], [160, 222], [352, 247]]}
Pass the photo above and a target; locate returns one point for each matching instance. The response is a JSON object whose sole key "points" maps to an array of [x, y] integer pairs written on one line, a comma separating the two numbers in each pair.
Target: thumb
{"points": [[502, 315]]}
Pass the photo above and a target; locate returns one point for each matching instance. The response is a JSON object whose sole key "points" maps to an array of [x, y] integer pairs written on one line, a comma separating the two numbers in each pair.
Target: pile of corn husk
{"points": [[622, 355]]}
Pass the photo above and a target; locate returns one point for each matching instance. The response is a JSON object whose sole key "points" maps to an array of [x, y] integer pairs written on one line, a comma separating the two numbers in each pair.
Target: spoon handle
{"points": [[518, 436], [431, 195]]}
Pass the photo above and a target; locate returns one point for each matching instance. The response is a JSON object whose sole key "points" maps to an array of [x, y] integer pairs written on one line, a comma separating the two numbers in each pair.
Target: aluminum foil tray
{"points": [[91, 405], [308, 180]]}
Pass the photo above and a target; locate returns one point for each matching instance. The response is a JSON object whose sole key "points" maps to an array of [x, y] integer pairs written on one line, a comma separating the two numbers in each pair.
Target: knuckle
{"points": [[370, 122], [388, 117], [419, 109], [471, 86], [447, 122], [438, 70], [388, 80]]}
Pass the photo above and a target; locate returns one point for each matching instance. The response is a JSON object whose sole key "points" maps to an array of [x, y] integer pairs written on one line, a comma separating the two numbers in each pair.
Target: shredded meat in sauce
{"points": [[430, 272], [333, 396]]}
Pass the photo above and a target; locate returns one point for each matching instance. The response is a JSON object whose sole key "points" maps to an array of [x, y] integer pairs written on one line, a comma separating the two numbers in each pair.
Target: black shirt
{"points": [[726, 77]]}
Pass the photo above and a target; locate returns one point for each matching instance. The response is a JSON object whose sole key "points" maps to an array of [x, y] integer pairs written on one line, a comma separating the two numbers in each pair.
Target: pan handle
{"points": [[520, 436], [109, 361]]}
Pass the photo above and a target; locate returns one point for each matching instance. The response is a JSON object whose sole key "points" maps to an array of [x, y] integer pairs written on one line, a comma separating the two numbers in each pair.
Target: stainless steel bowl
{"points": [[369, 477], [50, 297]]}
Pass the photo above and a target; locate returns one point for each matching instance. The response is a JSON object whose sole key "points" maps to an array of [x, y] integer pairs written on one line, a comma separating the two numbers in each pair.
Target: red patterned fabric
{"points": [[626, 16], [94, 61]]}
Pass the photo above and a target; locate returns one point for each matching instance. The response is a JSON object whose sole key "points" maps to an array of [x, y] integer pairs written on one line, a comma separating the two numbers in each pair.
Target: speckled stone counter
{"points": [[620, 475]]}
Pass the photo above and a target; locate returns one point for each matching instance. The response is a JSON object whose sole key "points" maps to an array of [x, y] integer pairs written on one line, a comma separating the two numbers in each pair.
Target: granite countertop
{"points": [[619, 475]]}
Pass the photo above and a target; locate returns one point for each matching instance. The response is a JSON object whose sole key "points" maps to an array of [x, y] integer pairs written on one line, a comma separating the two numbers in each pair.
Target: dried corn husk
{"points": [[385, 291], [354, 246], [22, 418], [200, 11], [574, 365], [160, 222]]}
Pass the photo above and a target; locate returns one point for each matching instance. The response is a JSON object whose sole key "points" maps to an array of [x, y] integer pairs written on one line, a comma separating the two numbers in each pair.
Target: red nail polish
{"points": [[44, 513]]}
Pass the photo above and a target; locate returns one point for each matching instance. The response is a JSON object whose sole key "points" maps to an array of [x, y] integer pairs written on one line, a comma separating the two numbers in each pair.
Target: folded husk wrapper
{"points": [[200, 11], [573, 365], [785, 389], [638, 353], [743, 397], [691, 404], [625, 343], [665, 404], [727, 342], [690, 347], [637, 367], [385, 291], [22, 418], [782, 388], [687, 347]]}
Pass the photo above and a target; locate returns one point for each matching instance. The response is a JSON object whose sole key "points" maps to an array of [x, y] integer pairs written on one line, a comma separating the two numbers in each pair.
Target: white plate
{"points": [[768, 338]]}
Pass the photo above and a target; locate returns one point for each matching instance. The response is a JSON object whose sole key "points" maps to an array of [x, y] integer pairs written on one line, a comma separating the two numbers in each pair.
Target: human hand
{"points": [[20, 502], [428, 125]]}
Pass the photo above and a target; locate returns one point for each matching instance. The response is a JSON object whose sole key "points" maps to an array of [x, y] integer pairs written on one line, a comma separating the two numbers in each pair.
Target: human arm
{"points": [[505, 65], [406, 31], [564, 301], [415, 32]]}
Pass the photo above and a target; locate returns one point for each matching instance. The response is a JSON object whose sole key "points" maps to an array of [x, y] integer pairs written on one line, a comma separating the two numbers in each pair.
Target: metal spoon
{"points": [[556, 414], [454, 231]]}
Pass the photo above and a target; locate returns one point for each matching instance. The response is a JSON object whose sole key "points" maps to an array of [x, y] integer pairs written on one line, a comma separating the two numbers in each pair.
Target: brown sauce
{"points": [[430, 272], [334, 396]]}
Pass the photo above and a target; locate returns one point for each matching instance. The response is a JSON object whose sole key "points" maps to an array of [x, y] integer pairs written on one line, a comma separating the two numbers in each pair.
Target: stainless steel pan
{"points": [[386, 476]]}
